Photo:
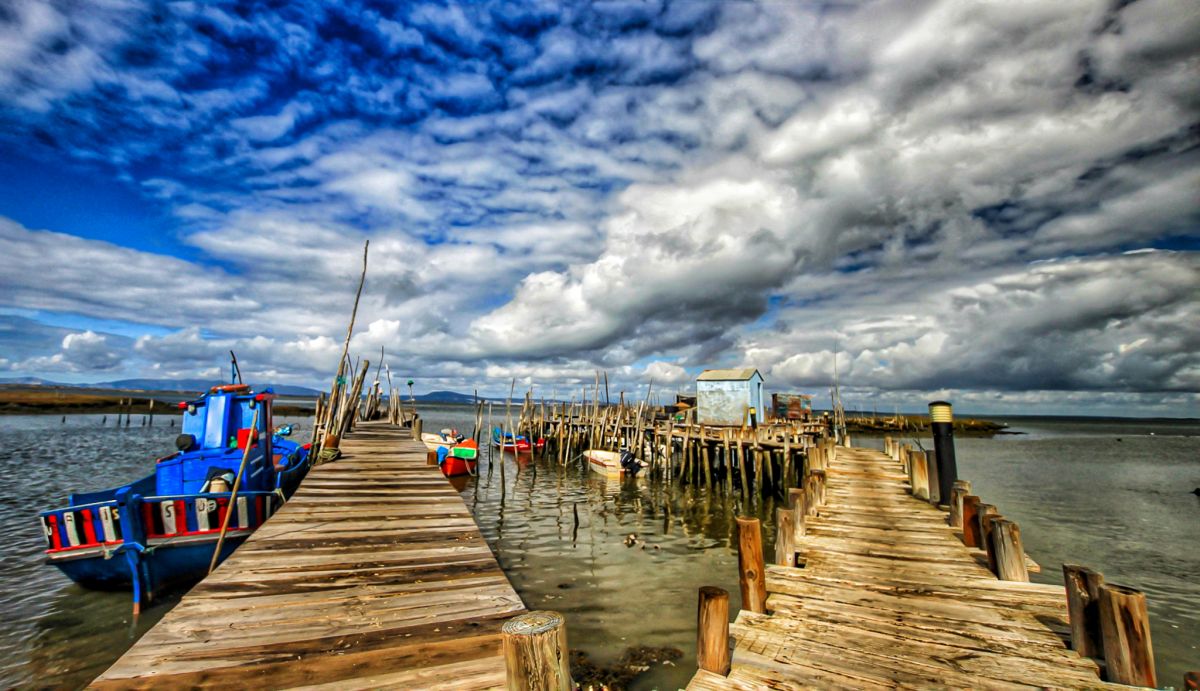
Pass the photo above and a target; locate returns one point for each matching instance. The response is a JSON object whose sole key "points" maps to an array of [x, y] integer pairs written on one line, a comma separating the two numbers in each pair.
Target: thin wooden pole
{"points": [[237, 483]]}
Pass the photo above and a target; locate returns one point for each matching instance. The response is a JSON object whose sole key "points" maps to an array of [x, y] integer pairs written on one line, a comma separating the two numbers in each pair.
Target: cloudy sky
{"points": [[998, 203]]}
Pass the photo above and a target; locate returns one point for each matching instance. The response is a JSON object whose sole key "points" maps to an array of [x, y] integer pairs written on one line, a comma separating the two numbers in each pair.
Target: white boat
{"points": [[608, 462], [435, 440]]}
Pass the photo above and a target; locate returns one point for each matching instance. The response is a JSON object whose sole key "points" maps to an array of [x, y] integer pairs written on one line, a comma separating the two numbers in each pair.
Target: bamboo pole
{"points": [[237, 483]]}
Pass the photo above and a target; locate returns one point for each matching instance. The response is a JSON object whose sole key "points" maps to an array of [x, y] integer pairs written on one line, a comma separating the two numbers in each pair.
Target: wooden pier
{"points": [[374, 575], [875, 588]]}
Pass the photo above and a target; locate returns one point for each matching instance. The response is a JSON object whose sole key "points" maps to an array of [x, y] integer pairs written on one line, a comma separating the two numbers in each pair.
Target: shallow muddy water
{"points": [[1105, 494]]}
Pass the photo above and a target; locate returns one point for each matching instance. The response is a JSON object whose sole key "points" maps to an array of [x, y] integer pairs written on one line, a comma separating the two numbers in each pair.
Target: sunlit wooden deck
{"points": [[889, 597], [374, 575]]}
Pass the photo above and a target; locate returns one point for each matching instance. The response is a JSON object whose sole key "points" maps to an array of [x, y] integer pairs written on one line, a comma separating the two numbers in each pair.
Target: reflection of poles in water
{"points": [[575, 524]]}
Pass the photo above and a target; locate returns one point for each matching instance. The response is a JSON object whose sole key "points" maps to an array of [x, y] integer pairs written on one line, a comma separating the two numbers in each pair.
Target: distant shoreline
{"points": [[30, 400]]}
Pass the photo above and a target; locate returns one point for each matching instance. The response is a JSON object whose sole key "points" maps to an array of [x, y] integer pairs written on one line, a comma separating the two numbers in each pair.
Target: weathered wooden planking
{"points": [[374, 575], [886, 595]]}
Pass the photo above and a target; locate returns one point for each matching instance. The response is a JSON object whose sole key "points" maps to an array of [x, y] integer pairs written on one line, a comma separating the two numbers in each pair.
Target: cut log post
{"points": [[535, 652], [796, 499], [970, 519], [961, 489], [1009, 552], [712, 630], [920, 474], [819, 484], [785, 549], [1083, 608], [416, 427], [1125, 630], [751, 570], [987, 518]]}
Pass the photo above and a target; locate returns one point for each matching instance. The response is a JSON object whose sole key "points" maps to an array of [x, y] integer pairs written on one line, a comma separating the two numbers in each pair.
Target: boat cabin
{"points": [[216, 430]]}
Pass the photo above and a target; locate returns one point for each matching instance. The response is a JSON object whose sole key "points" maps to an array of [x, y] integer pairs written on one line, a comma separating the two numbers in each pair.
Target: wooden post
{"points": [[416, 427], [799, 512], [986, 520], [712, 630], [961, 489], [535, 652], [818, 478], [785, 549], [751, 571], [1125, 630], [431, 458], [920, 474], [970, 520], [1009, 552], [1083, 608]]}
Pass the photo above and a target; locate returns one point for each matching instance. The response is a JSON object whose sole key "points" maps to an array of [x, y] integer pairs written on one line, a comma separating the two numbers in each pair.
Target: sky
{"points": [[994, 203]]}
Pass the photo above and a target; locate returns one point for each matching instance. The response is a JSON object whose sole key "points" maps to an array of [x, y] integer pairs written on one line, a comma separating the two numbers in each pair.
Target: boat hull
{"points": [[168, 565], [453, 467]]}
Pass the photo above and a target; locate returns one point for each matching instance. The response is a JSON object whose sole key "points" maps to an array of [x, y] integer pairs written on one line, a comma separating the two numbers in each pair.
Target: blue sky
{"points": [[995, 204]]}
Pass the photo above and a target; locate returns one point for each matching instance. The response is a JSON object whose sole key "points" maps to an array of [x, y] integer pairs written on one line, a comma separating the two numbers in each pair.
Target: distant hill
{"points": [[443, 397]]}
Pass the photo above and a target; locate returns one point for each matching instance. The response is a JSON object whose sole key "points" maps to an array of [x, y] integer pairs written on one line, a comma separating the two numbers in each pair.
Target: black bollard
{"points": [[941, 419]]}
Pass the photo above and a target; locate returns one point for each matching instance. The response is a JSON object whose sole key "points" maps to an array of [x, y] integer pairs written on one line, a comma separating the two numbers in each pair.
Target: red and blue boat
{"points": [[161, 531]]}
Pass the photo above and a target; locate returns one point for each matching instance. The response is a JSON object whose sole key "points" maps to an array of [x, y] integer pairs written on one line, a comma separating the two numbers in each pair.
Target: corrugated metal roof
{"points": [[727, 374]]}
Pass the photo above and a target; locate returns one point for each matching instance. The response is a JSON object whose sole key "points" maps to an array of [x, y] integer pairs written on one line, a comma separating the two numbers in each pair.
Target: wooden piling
{"points": [[961, 489], [535, 652], [1083, 608], [712, 630], [751, 570], [1009, 552], [796, 500], [970, 520], [920, 474], [1125, 631], [785, 549]]}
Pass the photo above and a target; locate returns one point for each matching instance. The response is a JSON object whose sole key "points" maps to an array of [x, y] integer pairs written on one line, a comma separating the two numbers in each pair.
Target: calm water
{"points": [[1105, 494]]}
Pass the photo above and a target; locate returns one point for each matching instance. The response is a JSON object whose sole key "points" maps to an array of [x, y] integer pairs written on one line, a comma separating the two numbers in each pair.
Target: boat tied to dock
{"points": [[231, 472]]}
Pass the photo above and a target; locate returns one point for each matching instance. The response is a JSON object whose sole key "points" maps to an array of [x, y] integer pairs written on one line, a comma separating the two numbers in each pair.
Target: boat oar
{"points": [[237, 481]]}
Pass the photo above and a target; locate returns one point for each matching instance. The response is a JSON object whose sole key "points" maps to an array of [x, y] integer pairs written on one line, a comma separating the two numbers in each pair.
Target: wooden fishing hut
{"points": [[728, 396]]}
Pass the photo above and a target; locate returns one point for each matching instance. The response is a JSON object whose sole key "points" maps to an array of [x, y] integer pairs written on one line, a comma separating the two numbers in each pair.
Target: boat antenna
{"points": [[235, 372]]}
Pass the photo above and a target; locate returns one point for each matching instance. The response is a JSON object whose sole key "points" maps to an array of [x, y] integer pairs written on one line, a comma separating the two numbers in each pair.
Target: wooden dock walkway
{"points": [[889, 597], [374, 575]]}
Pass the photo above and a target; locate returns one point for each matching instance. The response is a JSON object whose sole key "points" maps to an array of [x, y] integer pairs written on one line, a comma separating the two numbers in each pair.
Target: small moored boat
{"points": [[520, 444], [162, 530], [441, 440], [613, 462], [459, 459]]}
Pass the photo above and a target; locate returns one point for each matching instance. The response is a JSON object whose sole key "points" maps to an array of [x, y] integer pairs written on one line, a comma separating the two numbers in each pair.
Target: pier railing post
{"points": [[785, 549], [712, 630], [1125, 628], [1083, 609], [970, 520], [535, 652], [919, 474], [941, 425], [1009, 552], [796, 499], [961, 489], [751, 570]]}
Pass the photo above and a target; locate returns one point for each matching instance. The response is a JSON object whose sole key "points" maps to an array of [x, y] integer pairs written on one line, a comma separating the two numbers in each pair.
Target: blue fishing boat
{"points": [[162, 530]]}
